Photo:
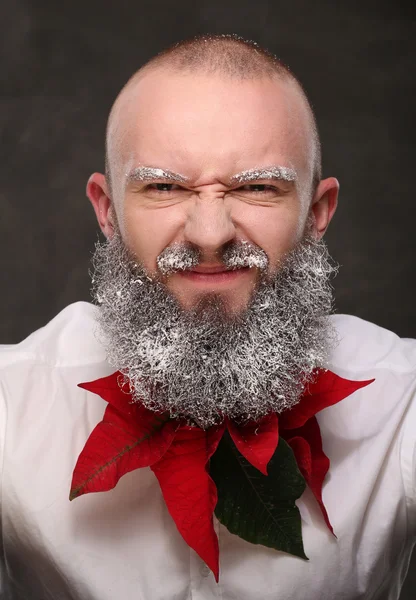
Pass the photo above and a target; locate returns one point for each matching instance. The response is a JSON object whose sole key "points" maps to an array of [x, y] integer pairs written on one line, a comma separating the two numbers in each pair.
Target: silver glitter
{"points": [[177, 257], [205, 363], [182, 257], [248, 255], [265, 173], [154, 173]]}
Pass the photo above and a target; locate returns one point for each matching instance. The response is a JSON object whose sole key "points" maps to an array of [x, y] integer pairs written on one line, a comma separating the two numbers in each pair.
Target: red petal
{"points": [[109, 389], [188, 490], [306, 443], [326, 390], [117, 445], [257, 441]]}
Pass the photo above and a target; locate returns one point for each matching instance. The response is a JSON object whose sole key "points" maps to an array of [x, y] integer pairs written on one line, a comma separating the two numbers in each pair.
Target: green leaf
{"points": [[258, 508]]}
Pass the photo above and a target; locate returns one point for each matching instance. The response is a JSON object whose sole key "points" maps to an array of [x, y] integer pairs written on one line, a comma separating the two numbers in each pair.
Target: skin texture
{"points": [[208, 128]]}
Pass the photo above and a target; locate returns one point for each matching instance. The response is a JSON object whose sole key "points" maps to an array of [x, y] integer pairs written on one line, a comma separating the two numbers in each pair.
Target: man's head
{"points": [[212, 186], [208, 110]]}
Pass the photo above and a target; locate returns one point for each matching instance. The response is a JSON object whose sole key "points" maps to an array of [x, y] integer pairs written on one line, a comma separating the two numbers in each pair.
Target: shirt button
{"points": [[205, 571]]}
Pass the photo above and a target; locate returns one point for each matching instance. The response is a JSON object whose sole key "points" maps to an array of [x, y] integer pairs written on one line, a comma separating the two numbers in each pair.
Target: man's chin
{"points": [[218, 307]]}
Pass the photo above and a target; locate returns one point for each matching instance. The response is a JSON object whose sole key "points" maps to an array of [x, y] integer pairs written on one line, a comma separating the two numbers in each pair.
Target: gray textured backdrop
{"points": [[61, 65]]}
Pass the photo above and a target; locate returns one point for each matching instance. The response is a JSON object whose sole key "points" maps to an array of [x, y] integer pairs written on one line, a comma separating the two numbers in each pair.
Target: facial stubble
{"points": [[203, 364]]}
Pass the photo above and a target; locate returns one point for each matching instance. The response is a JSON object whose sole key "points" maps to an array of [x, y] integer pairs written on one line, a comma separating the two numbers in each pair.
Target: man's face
{"points": [[182, 143], [213, 174]]}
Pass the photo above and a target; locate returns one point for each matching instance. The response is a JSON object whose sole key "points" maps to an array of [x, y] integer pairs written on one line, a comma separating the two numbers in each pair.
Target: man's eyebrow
{"points": [[267, 173], [153, 174]]}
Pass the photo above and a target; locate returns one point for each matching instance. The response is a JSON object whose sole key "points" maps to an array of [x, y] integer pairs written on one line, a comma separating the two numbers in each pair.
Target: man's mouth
{"points": [[214, 275], [210, 269]]}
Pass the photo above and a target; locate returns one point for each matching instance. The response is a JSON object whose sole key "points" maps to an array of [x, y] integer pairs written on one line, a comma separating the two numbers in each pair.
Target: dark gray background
{"points": [[61, 65]]}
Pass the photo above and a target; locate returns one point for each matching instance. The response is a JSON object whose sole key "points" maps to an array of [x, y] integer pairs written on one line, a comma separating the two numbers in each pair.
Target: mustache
{"points": [[234, 255]]}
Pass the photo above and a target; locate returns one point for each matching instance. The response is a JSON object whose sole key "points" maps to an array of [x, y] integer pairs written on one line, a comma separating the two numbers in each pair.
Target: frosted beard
{"points": [[203, 364]]}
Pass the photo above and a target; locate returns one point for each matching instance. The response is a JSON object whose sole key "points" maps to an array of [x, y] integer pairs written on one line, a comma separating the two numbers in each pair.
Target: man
{"points": [[213, 300]]}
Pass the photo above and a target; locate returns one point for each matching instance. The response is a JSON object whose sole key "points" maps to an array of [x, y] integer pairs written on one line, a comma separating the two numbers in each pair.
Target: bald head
{"points": [[228, 57], [226, 54]]}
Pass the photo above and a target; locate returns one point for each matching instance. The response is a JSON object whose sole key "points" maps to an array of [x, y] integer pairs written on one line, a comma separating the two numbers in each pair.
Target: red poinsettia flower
{"points": [[131, 436]]}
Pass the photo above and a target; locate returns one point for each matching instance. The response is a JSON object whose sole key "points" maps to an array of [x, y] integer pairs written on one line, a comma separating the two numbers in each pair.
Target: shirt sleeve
{"points": [[3, 423], [408, 460]]}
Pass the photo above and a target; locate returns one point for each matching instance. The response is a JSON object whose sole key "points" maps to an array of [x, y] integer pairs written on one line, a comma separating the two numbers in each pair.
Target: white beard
{"points": [[202, 364]]}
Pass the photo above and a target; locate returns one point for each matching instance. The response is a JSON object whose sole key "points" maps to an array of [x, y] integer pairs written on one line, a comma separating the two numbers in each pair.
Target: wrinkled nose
{"points": [[209, 225]]}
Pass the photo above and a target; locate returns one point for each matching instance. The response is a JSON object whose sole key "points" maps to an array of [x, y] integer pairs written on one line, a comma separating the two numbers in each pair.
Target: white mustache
{"points": [[181, 257]]}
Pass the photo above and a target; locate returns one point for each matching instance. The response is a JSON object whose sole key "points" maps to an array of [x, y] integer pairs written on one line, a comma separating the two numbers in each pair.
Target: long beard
{"points": [[202, 364]]}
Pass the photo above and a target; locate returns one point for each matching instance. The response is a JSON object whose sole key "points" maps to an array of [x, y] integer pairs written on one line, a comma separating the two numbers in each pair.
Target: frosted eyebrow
{"points": [[266, 173], [154, 174]]}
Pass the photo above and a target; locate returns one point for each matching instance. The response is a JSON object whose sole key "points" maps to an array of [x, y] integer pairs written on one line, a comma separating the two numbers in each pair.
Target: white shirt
{"points": [[123, 544]]}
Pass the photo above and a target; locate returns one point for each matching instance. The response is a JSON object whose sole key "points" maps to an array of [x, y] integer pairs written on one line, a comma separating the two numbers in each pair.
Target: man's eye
{"points": [[162, 187], [258, 188]]}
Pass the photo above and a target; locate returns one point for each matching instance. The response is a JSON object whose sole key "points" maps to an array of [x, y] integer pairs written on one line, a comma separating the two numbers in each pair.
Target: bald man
{"points": [[188, 392]]}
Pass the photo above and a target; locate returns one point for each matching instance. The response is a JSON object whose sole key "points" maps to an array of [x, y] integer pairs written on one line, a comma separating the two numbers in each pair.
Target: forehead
{"points": [[208, 123]]}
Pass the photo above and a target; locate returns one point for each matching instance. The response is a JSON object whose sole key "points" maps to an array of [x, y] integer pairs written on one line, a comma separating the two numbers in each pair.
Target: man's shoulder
{"points": [[67, 340], [363, 345]]}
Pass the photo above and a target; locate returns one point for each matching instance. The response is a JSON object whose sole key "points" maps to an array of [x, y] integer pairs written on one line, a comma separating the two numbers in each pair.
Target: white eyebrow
{"points": [[267, 173], [153, 174]]}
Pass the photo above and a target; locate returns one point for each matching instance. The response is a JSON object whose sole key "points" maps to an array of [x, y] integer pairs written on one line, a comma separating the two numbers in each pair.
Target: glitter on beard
{"points": [[184, 257], [178, 257], [200, 364]]}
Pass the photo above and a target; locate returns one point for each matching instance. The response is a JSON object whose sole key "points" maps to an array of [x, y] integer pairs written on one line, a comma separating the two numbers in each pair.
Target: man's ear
{"points": [[98, 193], [324, 204]]}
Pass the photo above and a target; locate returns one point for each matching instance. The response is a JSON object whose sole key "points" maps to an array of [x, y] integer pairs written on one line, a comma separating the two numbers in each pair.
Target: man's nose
{"points": [[209, 224]]}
